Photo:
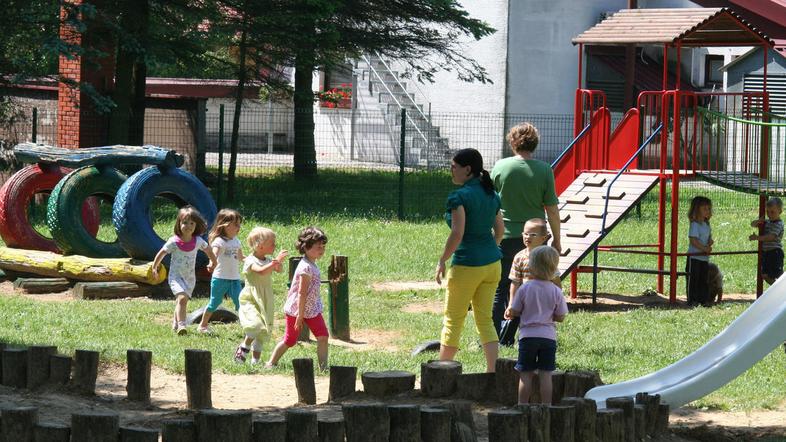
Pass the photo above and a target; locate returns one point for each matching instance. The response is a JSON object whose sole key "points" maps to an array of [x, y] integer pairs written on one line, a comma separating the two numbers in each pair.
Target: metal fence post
{"points": [[220, 185], [401, 159], [35, 125]]}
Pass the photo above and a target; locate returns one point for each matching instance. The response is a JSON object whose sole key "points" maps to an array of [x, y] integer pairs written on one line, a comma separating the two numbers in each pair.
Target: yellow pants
{"points": [[470, 285]]}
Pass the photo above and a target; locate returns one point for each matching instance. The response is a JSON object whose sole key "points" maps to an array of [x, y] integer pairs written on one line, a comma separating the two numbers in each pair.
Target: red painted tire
{"points": [[15, 197]]}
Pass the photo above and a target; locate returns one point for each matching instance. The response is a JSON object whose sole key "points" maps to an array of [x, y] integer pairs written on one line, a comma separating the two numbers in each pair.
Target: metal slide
{"points": [[752, 336]]}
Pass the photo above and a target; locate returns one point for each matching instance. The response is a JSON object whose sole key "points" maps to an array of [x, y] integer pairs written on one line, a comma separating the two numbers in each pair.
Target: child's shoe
{"points": [[181, 328], [240, 354], [205, 330]]}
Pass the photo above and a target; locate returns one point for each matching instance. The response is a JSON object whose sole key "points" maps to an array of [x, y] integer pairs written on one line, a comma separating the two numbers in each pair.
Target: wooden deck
{"points": [[744, 182]]}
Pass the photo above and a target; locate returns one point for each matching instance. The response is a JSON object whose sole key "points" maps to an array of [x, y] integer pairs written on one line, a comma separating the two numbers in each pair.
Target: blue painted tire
{"points": [[131, 212]]}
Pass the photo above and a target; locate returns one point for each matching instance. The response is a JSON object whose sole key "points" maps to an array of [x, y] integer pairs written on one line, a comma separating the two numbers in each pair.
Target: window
{"points": [[712, 73]]}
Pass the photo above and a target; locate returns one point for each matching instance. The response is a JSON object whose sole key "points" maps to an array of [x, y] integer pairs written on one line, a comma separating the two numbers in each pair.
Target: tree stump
{"points": [[640, 421], [38, 365], [51, 433], [139, 363], [215, 425], [304, 380], [85, 373], [586, 409], [342, 381], [330, 429], [270, 428], [95, 427], [435, 424], [128, 434], [563, 422], [386, 383], [302, 425], [505, 425], [404, 423], [178, 430], [367, 422], [476, 386], [625, 404], [539, 423], [59, 370], [18, 424], [15, 367], [651, 403], [558, 386], [507, 381], [662, 423], [438, 378], [199, 375], [610, 425]]}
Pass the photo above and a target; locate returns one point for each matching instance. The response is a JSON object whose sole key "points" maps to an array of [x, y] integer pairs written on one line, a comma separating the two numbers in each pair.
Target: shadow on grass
{"points": [[613, 302]]}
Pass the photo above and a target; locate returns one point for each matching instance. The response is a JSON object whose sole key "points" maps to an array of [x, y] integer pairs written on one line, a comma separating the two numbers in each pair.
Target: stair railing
{"points": [[570, 146]]}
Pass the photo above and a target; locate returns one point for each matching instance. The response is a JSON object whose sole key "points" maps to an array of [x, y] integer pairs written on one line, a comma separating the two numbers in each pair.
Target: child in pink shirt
{"points": [[540, 304]]}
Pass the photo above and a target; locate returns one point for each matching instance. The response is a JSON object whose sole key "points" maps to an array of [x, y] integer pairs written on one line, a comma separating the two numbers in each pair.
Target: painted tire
{"points": [[63, 218], [131, 212], [15, 197]]}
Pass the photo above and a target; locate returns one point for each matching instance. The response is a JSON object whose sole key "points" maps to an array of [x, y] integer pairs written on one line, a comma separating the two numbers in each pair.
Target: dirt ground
{"points": [[268, 393]]}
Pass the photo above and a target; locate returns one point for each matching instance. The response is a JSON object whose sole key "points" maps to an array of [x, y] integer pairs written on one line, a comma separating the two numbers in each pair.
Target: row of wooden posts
{"points": [[569, 418]]}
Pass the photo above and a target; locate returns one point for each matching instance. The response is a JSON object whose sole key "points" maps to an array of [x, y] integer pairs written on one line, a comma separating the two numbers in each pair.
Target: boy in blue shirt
{"points": [[771, 240]]}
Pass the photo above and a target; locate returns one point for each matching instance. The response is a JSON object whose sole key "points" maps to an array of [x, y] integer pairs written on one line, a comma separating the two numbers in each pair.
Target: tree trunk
{"points": [[241, 85], [305, 157]]}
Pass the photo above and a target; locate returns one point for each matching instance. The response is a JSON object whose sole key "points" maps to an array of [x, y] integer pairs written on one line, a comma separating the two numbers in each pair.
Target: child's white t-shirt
{"points": [[227, 264]]}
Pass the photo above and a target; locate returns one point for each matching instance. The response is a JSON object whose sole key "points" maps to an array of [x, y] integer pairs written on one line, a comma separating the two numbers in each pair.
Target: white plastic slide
{"points": [[752, 336]]}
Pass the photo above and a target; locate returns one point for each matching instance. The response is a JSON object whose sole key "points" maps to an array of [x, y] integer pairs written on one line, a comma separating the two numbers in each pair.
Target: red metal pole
{"points": [[664, 136], [763, 167], [581, 52], [675, 200]]}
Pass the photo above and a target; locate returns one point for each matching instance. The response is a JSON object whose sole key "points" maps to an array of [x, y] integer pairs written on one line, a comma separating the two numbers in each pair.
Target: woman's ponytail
{"points": [[485, 181]]}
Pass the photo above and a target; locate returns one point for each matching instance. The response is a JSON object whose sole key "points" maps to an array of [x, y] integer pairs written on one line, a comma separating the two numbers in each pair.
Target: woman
{"points": [[526, 188], [472, 212]]}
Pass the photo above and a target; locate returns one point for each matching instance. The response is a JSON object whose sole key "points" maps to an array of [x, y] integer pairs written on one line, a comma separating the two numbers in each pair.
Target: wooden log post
{"points": [[199, 375], [2, 347], [524, 410], [42, 285], [610, 425], [586, 409], [507, 381], [85, 372], [95, 427], [387, 383], [477, 386], [59, 370], [330, 429], [438, 378], [15, 367], [558, 387], [338, 297], [625, 404], [368, 422], [214, 425], [404, 423], [270, 428], [563, 422], [49, 432], [571, 384], [302, 425], [662, 423], [640, 421], [113, 290], [651, 403], [342, 381], [586, 381], [460, 413], [129, 434], [539, 423], [505, 425], [435, 424], [140, 363], [304, 380], [38, 364], [178, 430], [18, 423]]}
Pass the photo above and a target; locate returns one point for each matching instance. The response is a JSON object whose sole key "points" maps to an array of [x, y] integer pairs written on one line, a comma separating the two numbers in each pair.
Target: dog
{"points": [[714, 282]]}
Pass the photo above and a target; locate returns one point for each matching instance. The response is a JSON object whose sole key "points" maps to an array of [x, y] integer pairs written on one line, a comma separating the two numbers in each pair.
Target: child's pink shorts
{"points": [[315, 324]]}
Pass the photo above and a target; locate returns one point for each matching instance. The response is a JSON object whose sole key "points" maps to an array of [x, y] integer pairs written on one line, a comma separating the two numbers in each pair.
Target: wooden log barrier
{"points": [[438, 378], [302, 425], [135, 434], [662, 423], [95, 427], [270, 428], [15, 367], [507, 381], [342, 381], [368, 422], [651, 403], [199, 375], [587, 380], [563, 423], [178, 430], [626, 405], [524, 410], [59, 370], [460, 413], [115, 290], [476, 386], [435, 424], [50, 432], [330, 429], [404, 423], [460, 432], [338, 297], [610, 425], [140, 363], [42, 285], [539, 423], [215, 425], [571, 384], [18, 423], [85, 372], [387, 383], [304, 380], [586, 409], [558, 387], [38, 360], [640, 421], [505, 425]]}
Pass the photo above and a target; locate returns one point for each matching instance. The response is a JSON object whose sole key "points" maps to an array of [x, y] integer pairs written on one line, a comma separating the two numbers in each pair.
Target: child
{"points": [[303, 304], [540, 304], [700, 236], [256, 298], [183, 247], [226, 276], [535, 235], [772, 259]]}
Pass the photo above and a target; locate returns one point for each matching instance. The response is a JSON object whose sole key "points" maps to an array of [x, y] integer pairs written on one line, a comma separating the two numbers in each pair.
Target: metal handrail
{"points": [[412, 100], [570, 146]]}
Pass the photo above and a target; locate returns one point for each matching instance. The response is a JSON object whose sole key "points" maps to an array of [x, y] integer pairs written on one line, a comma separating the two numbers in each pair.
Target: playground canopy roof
{"points": [[675, 26]]}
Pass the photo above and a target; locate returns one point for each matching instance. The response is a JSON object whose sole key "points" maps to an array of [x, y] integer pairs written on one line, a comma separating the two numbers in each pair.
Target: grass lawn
{"points": [[620, 345]]}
